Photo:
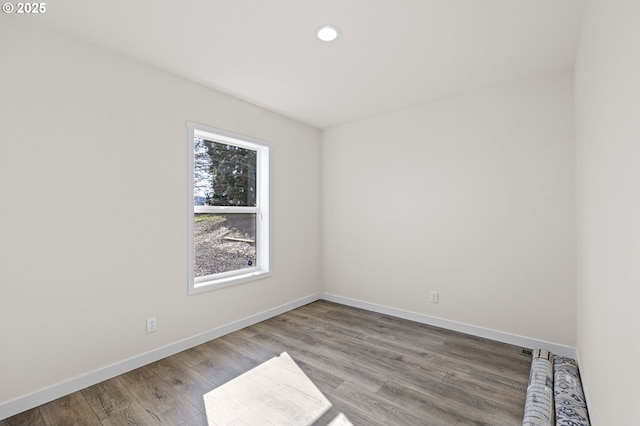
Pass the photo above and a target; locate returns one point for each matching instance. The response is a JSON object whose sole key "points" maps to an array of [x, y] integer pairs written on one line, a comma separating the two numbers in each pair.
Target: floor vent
{"points": [[526, 352]]}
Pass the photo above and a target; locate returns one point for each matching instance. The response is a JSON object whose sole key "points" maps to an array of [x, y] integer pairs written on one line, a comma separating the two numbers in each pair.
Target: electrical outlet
{"points": [[435, 297], [151, 325]]}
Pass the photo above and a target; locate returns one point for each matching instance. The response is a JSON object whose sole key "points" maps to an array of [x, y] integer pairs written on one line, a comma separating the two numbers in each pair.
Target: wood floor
{"points": [[372, 368]]}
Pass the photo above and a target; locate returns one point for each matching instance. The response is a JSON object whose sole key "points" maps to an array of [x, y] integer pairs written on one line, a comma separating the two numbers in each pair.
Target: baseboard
{"points": [[585, 389], [486, 333], [18, 405]]}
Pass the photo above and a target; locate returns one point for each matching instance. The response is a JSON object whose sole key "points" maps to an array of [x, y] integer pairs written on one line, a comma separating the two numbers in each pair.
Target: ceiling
{"points": [[391, 54]]}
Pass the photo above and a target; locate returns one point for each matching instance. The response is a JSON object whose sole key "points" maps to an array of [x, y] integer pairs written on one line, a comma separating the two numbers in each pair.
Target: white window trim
{"points": [[263, 264]]}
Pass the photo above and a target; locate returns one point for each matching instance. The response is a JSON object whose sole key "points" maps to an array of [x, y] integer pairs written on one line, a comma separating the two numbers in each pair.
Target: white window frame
{"points": [[262, 268]]}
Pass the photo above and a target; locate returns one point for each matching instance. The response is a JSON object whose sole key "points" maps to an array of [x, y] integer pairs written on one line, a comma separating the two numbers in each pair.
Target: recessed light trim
{"points": [[328, 32]]}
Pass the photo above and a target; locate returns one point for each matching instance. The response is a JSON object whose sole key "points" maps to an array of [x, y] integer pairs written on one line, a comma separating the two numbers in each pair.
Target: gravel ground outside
{"points": [[214, 254]]}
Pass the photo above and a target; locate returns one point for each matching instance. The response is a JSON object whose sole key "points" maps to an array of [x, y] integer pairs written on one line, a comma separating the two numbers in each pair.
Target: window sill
{"points": [[218, 283]]}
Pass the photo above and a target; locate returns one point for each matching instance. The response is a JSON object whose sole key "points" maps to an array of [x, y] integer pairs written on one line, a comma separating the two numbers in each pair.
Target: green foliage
{"points": [[207, 217], [226, 174]]}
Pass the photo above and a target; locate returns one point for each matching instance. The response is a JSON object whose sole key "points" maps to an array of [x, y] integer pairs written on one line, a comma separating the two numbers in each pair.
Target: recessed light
{"points": [[328, 32]]}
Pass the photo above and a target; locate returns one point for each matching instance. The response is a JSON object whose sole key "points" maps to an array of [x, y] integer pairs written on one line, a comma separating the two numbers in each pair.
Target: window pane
{"points": [[224, 175], [224, 242]]}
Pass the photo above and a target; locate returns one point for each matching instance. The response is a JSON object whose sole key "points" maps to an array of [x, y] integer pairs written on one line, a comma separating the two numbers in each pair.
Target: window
{"points": [[228, 209]]}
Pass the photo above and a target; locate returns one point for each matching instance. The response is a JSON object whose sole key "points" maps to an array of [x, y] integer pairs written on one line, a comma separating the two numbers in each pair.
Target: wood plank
{"points": [[324, 358], [198, 420], [240, 240], [70, 410], [31, 417], [157, 397], [222, 363], [115, 405], [379, 407], [439, 407], [184, 380], [247, 343]]}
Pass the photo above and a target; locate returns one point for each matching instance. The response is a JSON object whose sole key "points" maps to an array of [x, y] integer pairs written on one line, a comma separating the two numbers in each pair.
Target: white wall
{"points": [[472, 196], [607, 91], [93, 236]]}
